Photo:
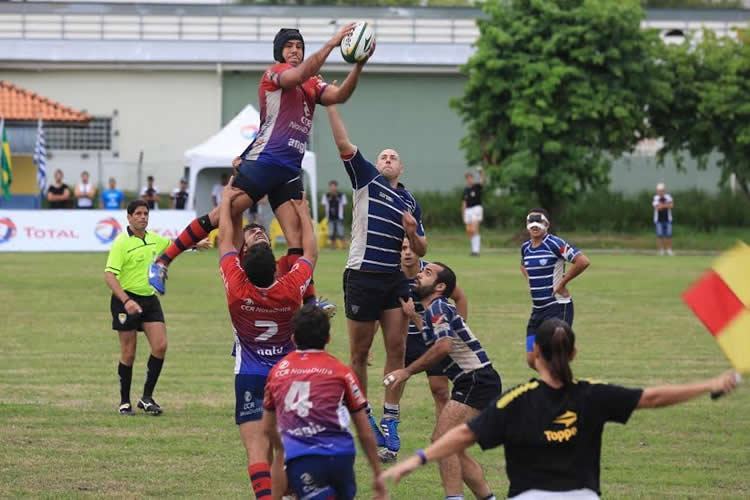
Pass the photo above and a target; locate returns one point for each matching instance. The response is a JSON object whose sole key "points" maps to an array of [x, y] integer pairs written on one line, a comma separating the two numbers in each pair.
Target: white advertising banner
{"points": [[78, 230]]}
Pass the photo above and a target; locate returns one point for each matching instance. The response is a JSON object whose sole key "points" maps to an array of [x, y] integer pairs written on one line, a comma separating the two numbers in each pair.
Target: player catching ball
{"points": [[272, 164]]}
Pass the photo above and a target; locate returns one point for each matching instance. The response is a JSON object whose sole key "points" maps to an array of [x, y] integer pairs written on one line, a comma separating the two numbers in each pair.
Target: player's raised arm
{"points": [[334, 94], [309, 242], [340, 135], [310, 67], [227, 229]]}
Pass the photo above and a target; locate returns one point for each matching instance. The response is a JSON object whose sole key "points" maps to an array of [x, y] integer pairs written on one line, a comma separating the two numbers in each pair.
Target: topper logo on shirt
{"points": [[567, 419]]}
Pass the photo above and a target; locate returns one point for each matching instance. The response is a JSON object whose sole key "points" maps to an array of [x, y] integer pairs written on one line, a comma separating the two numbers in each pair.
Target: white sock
{"points": [[475, 243]]}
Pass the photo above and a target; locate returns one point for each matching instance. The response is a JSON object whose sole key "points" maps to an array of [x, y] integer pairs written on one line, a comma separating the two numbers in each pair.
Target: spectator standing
{"points": [[334, 203], [150, 193], [112, 198], [85, 192], [663, 205], [180, 195], [58, 194]]}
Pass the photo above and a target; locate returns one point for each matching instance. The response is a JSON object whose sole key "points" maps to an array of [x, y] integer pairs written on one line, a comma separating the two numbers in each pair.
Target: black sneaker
{"points": [[126, 409], [150, 406]]}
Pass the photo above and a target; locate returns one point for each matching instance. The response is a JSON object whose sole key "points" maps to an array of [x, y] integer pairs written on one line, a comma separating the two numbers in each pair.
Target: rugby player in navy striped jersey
{"points": [[383, 213], [543, 259]]}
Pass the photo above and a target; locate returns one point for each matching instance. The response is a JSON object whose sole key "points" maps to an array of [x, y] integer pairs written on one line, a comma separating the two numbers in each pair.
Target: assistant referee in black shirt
{"points": [[552, 426]]}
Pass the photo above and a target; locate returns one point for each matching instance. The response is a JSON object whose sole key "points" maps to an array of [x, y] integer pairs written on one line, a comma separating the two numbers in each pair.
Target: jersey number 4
{"points": [[298, 399], [272, 328]]}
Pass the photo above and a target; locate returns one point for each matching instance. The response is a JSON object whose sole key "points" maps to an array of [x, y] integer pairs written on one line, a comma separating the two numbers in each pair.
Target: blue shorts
{"points": [[539, 316], [320, 477], [258, 179], [248, 392], [663, 229]]}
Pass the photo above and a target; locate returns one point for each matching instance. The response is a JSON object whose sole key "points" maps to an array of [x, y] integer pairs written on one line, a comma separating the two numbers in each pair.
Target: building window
{"points": [[96, 135]]}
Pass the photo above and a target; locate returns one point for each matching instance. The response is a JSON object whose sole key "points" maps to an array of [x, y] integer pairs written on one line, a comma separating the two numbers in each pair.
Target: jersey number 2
{"points": [[272, 328], [298, 399]]}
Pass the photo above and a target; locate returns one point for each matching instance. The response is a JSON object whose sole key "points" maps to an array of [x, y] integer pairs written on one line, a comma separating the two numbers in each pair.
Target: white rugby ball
{"points": [[357, 45]]}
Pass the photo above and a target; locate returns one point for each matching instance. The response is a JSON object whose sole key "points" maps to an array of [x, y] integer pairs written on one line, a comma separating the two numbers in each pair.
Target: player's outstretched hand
{"points": [[396, 377], [725, 383], [400, 470], [340, 34], [379, 491], [409, 222], [369, 55], [203, 244]]}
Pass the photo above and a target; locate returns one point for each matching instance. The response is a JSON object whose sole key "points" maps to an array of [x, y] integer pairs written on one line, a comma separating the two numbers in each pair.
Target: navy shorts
{"points": [[478, 388], [320, 477], [415, 347], [367, 294], [281, 184], [248, 392], [539, 316], [663, 229]]}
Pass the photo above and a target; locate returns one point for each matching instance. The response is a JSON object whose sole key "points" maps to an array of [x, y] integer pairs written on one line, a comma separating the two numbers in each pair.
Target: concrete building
{"points": [[168, 76]]}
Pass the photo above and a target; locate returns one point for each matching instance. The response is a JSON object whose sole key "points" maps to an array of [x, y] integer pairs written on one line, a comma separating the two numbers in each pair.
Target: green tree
{"points": [[555, 89], [709, 110]]}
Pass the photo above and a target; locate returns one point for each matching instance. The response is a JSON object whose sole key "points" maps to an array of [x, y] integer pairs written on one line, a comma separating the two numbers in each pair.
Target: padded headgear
{"points": [[283, 36]]}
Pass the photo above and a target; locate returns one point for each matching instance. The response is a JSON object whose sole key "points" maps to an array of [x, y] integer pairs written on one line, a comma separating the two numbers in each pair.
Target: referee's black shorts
{"points": [[122, 321], [367, 294]]}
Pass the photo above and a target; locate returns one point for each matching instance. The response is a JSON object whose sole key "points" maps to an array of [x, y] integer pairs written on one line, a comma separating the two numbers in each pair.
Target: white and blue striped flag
{"points": [[40, 158]]}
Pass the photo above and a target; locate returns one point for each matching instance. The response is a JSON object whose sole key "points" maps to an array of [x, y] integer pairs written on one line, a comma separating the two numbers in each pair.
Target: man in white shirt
{"points": [[663, 205], [218, 189]]}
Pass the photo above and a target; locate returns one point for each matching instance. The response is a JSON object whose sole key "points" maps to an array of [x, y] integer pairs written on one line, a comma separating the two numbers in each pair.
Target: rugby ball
{"points": [[358, 44]]}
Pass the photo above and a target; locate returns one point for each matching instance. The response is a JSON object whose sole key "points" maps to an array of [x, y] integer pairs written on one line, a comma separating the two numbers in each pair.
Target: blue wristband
{"points": [[422, 457]]}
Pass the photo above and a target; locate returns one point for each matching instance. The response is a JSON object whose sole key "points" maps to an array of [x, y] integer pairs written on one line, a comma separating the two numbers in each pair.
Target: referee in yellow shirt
{"points": [[134, 305]]}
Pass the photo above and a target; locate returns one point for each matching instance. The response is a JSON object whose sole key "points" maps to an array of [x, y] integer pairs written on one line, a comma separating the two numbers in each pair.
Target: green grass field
{"points": [[59, 389]]}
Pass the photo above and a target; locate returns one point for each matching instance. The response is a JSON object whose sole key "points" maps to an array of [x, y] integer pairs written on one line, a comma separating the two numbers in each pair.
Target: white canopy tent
{"points": [[207, 161]]}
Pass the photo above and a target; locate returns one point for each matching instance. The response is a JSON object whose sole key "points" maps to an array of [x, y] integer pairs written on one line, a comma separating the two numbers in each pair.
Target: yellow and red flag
{"points": [[721, 300]]}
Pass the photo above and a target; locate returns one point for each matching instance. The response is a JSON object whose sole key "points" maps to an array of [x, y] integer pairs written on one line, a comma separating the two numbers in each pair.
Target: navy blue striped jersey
{"points": [[418, 307], [442, 320], [377, 230], [545, 265]]}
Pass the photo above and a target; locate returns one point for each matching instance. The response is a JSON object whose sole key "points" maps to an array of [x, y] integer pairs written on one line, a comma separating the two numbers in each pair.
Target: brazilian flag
{"points": [[6, 164]]}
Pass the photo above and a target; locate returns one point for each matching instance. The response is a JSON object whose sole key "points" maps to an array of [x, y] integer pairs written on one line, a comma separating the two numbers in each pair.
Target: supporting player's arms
{"points": [[226, 224], [309, 242], [667, 395], [437, 352], [311, 65], [269, 429], [340, 136], [367, 441], [457, 439]]}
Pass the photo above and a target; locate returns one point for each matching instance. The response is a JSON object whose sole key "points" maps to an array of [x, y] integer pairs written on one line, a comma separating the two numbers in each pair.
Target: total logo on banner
{"points": [[7, 229], [77, 230], [107, 230]]}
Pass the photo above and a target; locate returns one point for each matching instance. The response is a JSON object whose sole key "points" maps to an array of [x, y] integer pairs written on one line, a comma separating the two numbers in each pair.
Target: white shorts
{"points": [[582, 494], [473, 214]]}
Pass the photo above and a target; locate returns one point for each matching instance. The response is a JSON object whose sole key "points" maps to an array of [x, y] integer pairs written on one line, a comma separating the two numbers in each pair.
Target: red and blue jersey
{"points": [[313, 395], [286, 117], [262, 317]]}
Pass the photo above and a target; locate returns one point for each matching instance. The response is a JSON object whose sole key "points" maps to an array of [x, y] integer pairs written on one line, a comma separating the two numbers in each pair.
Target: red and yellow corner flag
{"points": [[721, 300]]}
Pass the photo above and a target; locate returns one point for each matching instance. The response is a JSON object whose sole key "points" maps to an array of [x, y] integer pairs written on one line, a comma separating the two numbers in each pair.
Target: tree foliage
{"points": [[555, 89], [709, 107]]}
